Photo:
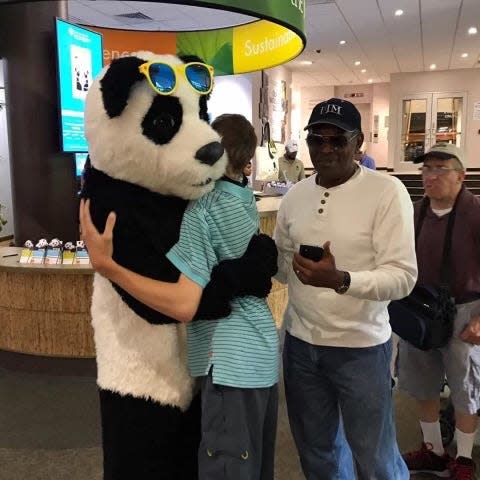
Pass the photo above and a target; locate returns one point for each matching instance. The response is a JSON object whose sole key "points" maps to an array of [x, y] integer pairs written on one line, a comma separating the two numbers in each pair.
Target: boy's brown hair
{"points": [[238, 138]]}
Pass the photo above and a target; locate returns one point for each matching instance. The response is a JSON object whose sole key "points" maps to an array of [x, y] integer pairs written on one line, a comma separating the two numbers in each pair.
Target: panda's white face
{"points": [[156, 141]]}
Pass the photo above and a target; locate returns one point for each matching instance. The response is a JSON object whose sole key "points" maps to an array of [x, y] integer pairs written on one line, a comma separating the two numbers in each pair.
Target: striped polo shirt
{"points": [[243, 348]]}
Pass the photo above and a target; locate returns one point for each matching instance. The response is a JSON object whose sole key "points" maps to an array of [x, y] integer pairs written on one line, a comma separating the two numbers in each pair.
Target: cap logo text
{"points": [[330, 108]]}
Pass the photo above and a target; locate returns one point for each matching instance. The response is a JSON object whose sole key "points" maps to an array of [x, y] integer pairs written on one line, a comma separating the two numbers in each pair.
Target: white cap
{"points": [[291, 146], [443, 151]]}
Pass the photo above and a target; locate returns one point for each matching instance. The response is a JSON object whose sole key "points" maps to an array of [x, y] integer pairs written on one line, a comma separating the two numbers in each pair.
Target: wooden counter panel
{"points": [[46, 293], [46, 333], [277, 301], [267, 223]]}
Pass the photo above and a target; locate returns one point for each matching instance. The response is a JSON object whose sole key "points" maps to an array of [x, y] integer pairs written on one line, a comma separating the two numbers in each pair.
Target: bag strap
{"points": [[447, 244]]}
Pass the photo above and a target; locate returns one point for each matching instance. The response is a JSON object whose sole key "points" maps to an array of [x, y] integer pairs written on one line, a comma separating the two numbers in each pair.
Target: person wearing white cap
{"points": [[422, 373], [290, 168]]}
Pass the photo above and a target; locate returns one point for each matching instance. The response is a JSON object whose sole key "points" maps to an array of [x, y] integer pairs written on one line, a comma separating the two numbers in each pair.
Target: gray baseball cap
{"points": [[443, 151]]}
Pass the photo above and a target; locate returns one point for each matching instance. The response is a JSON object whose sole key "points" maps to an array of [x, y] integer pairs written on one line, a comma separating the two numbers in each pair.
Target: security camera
{"points": [[318, 50]]}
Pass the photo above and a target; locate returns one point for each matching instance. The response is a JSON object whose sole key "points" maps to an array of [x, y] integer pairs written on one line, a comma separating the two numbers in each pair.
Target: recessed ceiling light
{"points": [[464, 55], [370, 80], [398, 12], [342, 42], [433, 66], [306, 62], [472, 31], [363, 70], [357, 63]]}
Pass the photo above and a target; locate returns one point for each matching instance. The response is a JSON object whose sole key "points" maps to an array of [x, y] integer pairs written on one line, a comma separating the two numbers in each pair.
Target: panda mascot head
{"points": [[146, 123]]}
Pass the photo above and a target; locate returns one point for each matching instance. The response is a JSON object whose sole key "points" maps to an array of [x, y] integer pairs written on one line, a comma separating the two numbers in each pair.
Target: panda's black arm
{"points": [[250, 274]]}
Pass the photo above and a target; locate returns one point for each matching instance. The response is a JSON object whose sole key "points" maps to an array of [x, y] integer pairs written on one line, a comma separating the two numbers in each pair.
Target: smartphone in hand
{"points": [[311, 252]]}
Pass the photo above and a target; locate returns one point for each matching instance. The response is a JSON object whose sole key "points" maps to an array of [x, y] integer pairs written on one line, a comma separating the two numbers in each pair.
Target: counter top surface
{"points": [[9, 258], [268, 205]]}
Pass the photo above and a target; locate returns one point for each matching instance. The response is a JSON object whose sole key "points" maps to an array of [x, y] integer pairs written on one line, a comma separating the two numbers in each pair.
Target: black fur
{"points": [[147, 227], [147, 441], [117, 82], [163, 119]]}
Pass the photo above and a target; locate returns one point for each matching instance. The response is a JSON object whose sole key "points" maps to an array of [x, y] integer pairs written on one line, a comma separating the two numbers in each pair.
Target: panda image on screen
{"points": [[149, 154]]}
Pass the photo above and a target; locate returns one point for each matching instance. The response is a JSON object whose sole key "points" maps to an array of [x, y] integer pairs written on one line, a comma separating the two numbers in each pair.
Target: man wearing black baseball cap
{"points": [[338, 341], [422, 373]]}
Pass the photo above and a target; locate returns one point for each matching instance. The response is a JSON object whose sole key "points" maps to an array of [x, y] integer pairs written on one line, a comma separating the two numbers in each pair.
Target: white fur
{"points": [[118, 147], [135, 357]]}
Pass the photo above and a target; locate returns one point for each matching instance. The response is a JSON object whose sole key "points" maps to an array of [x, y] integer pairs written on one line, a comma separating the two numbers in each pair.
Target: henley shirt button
{"points": [[320, 210], [322, 201], [327, 194]]}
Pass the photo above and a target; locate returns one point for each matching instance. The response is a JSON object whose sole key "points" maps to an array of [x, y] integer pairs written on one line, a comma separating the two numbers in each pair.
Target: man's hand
{"points": [[471, 333], [99, 245], [323, 273]]}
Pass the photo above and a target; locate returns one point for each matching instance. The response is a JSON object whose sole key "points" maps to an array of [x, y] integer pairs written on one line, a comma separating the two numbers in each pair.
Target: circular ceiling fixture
{"points": [[262, 34]]}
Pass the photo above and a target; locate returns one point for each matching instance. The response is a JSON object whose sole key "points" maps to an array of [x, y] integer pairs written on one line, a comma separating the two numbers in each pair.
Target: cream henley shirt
{"points": [[369, 221]]}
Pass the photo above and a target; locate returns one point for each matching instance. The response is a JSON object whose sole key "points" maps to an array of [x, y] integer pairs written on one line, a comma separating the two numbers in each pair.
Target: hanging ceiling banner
{"points": [[274, 36]]}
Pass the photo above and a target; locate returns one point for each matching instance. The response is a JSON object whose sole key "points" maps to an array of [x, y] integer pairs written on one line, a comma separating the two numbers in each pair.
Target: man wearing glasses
{"points": [[338, 341], [422, 374]]}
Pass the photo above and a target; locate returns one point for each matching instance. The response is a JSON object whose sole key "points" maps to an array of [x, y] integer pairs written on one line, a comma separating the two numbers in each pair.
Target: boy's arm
{"points": [[177, 300]]}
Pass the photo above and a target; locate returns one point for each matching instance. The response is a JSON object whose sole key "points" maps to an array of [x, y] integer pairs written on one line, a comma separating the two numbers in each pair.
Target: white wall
{"points": [[465, 80], [231, 94], [5, 183], [381, 107]]}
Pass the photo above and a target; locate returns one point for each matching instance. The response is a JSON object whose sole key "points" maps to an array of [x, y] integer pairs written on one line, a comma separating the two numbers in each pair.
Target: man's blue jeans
{"points": [[321, 382]]}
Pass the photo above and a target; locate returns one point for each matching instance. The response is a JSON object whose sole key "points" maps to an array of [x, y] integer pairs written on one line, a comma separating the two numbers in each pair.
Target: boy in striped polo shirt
{"points": [[237, 358]]}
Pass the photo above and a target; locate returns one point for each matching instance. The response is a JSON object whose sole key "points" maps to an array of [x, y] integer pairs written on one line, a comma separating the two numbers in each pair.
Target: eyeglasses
{"points": [[162, 77], [336, 141], [428, 171]]}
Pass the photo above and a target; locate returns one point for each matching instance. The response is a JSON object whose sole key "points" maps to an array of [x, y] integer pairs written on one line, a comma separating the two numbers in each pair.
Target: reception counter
{"points": [[45, 309]]}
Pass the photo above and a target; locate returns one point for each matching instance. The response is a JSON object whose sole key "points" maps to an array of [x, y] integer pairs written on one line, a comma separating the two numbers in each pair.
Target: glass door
{"points": [[447, 118], [415, 134], [427, 119]]}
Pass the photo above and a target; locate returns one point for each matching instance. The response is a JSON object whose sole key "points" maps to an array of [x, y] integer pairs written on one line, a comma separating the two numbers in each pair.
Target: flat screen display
{"points": [[80, 59], [80, 159]]}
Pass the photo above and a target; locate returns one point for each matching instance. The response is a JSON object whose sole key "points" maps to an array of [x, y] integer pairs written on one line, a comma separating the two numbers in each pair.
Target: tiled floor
{"points": [[49, 427]]}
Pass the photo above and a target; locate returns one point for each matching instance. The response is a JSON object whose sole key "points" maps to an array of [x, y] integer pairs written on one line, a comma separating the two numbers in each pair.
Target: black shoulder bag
{"points": [[425, 317]]}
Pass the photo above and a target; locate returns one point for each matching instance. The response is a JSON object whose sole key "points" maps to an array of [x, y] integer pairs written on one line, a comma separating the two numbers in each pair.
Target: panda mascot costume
{"points": [[151, 150]]}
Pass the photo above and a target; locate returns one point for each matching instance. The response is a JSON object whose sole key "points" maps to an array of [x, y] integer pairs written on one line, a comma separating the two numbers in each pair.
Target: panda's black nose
{"points": [[210, 153]]}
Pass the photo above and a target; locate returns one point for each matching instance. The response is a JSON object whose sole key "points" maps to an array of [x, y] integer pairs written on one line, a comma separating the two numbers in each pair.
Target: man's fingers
{"points": [[326, 248], [302, 261]]}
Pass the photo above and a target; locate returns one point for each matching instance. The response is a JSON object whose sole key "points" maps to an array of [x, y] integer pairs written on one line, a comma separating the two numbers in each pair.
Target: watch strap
{"points": [[345, 285]]}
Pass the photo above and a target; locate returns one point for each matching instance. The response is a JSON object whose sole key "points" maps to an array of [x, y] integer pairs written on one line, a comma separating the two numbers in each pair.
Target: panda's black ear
{"points": [[117, 82], [190, 58]]}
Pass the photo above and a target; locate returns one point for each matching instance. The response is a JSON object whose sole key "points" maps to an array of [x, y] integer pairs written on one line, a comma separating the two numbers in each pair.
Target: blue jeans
{"points": [[330, 387]]}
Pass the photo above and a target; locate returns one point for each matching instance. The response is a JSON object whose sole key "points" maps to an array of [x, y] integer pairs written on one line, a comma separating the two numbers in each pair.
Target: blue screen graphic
{"points": [[80, 59], [80, 159]]}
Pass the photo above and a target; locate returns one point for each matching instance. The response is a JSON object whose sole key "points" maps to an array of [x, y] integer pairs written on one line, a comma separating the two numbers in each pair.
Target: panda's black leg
{"points": [[144, 440]]}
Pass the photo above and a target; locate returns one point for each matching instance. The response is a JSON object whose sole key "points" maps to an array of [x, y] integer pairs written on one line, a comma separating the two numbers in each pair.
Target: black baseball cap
{"points": [[337, 112]]}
